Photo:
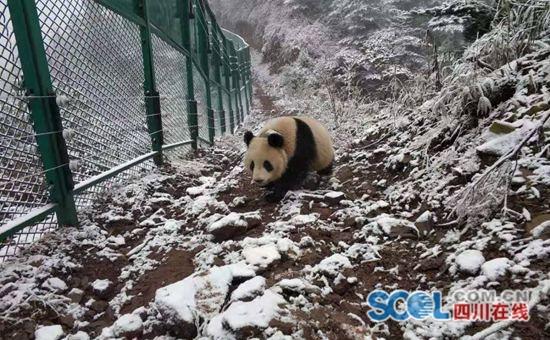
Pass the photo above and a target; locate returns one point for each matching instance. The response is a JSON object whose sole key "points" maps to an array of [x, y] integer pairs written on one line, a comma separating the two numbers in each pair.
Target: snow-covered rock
{"points": [[127, 324], [501, 144], [55, 284], [263, 256], [249, 289], [53, 332], [255, 314], [542, 230], [100, 286], [199, 295], [334, 197], [233, 224], [362, 252], [496, 268], [299, 220], [297, 286], [393, 226], [469, 261], [332, 265], [80, 335]]}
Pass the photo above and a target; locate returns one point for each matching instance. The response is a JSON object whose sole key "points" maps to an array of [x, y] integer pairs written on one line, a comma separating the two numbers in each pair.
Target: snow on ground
{"points": [[192, 250]]}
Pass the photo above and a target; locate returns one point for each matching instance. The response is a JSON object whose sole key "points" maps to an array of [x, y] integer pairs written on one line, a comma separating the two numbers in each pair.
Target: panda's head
{"points": [[265, 158]]}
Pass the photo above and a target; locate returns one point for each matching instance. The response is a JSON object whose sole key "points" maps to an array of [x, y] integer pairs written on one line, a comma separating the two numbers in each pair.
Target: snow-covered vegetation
{"points": [[441, 182]]}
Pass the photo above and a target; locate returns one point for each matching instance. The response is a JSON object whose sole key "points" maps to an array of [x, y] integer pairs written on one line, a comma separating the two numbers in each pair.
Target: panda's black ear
{"points": [[248, 135], [275, 140]]}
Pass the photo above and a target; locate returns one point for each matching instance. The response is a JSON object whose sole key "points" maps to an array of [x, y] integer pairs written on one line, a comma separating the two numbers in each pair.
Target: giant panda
{"points": [[284, 151]]}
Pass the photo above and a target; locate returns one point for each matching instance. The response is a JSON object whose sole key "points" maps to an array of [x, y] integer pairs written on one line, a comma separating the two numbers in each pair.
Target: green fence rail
{"points": [[93, 93]]}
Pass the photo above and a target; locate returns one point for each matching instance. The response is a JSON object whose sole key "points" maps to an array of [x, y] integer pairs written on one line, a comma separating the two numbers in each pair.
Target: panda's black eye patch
{"points": [[251, 166], [268, 167]]}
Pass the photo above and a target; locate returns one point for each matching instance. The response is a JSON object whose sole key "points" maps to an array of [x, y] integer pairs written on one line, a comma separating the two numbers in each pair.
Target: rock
{"points": [[394, 227], [248, 290], [537, 108], [496, 268], [99, 306], [542, 231], [80, 335], [102, 288], [183, 304], [233, 225], [245, 319], [297, 287], [54, 332], [66, 320], [128, 325], [425, 222], [76, 295], [55, 285], [501, 127], [261, 257], [332, 265], [29, 326], [342, 286], [433, 263], [116, 241], [334, 197], [469, 261]]}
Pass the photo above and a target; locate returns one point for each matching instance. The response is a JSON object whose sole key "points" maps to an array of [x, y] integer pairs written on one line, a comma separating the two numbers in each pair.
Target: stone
{"points": [[501, 127], [76, 295], [99, 306], [334, 197], [66, 320]]}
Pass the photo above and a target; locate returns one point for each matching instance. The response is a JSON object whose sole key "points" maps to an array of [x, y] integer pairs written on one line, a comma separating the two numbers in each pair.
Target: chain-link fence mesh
{"points": [[22, 182], [92, 54], [214, 91], [95, 61], [200, 97], [170, 69], [227, 109]]}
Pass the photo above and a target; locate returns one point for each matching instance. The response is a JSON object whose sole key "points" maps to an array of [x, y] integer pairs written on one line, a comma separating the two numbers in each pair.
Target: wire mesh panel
{"points": [[22, 183], [94, 57], [243, 99], [172, 85], [214, 89], [227, 109], [200, 97]]}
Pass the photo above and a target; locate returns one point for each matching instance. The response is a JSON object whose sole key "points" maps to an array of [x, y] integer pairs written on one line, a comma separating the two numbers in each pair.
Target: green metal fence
{"points": [[95, 92]]}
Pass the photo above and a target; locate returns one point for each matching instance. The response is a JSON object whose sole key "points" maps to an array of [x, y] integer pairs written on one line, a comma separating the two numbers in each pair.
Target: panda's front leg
{"points": [[278, 189]]}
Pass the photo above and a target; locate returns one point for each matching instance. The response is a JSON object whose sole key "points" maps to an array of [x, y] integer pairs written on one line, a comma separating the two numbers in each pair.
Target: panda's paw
{"points": [[274, 196]]}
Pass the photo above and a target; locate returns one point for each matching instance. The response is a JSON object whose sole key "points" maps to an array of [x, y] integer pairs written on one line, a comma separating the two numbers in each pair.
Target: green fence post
{"points": [[228, 85], [44, 110], [216, 61], [192, 114], [152, 97], [242, 67], [201, 25], [249, 77], [234, 80]]}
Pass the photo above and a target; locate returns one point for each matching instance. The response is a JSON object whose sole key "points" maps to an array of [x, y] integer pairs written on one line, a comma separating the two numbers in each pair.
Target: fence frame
{"points": [[217, 60]]}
